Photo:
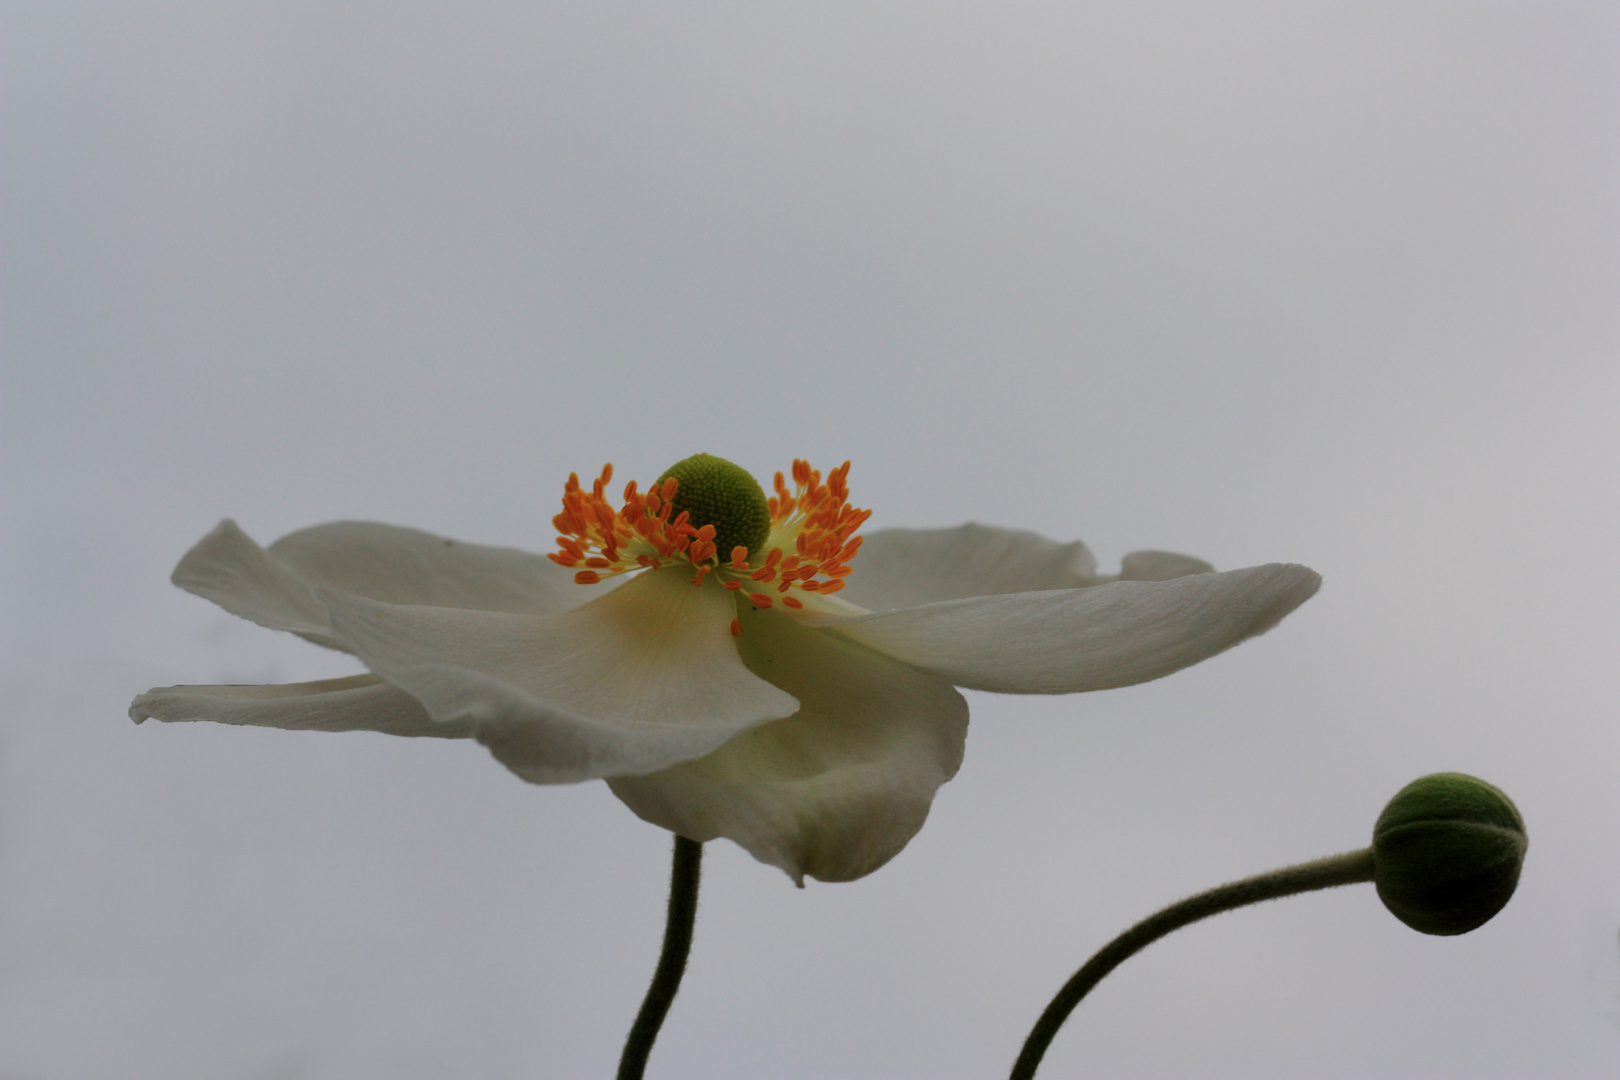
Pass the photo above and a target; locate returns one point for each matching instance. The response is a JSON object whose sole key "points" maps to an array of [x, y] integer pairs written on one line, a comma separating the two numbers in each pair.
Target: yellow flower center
{"points": [[709, 513]]}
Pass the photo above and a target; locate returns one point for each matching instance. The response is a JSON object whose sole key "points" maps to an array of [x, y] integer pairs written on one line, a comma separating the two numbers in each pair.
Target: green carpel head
{"points": [[715, 492]]}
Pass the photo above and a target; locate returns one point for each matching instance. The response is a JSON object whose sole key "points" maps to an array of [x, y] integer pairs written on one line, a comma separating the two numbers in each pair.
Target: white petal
{"points": [[901, 568], [1087, 639], [382, 562], [356, 703], [227, 567], [1160, 566], [837, 789], [407, 566], [635, 681]]}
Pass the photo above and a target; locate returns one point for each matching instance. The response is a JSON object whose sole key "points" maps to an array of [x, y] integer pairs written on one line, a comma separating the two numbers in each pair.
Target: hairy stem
{"points": [[1345, 869], [683, 893]]}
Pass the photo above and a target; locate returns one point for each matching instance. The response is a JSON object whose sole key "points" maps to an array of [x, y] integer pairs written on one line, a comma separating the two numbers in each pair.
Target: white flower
{"points": [[718, 697]]}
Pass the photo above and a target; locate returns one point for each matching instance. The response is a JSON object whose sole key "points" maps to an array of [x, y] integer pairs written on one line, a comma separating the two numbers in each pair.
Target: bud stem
{"points": [[683, 893], [1346, 869]]}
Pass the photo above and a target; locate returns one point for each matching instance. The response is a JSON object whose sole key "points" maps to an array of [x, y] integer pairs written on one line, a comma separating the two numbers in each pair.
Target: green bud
{"points": [[715, 492], [1446, 853]]}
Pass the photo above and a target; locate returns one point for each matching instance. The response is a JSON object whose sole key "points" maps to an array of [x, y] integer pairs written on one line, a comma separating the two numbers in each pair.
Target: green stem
{"points": [[1345, 869], [683, 893]]}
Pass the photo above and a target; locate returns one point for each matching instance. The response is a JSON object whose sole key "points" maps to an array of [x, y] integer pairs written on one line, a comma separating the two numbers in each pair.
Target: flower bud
{"points": [[1446, 853], [715, 492]]}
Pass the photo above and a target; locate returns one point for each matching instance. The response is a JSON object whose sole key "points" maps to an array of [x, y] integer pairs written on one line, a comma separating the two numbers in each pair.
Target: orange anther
{"points": [[736, 628], [793, 602], [611, 538]]}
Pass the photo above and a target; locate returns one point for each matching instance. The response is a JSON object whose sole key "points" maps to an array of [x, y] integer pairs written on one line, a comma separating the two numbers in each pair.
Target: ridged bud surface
{"points": [[1447, 852]]}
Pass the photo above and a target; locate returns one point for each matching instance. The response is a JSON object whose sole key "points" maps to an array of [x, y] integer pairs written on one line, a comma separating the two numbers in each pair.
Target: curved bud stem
{"points": [[683, 892], [1345, 869]]}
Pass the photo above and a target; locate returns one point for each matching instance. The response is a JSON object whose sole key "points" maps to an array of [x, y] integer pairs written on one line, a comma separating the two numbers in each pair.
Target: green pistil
{"points": [[715, 492]]}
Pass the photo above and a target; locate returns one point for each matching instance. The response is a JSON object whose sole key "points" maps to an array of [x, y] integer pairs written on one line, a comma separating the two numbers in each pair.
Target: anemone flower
{"points": [[731, 664]]}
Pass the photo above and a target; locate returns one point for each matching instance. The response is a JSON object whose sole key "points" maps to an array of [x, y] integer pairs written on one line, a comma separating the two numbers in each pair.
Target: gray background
{"points": [[1333, 284]]}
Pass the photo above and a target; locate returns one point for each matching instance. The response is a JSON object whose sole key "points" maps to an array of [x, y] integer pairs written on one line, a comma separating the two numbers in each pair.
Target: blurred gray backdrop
{"points": [[1327, 283]]}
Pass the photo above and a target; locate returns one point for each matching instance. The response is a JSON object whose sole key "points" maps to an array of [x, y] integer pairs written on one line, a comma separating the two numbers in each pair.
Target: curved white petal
{"points": [[1087, 639], [407, 566], [227, 567], [1160, 566], [838, 788], [635, 681], [356, 703], [901, 568], [274, 588]]}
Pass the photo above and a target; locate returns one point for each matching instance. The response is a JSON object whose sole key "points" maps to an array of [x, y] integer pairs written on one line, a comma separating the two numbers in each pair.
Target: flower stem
{"points": [[1345, 869], [683, 893]]}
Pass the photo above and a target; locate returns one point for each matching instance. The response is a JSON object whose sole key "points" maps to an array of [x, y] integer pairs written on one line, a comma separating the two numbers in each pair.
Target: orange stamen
{"points": [[813, 529]]}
